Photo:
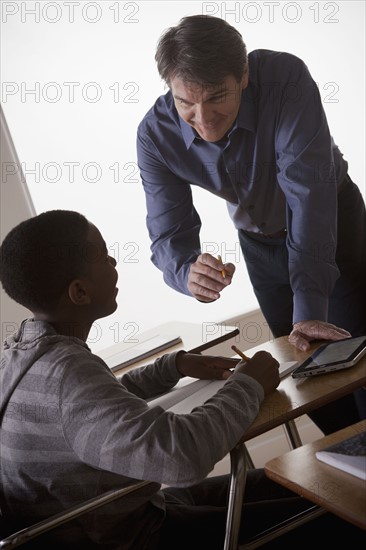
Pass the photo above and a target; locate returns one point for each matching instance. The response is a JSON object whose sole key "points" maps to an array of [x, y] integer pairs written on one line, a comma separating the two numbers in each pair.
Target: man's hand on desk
{"points": [[305, 332], [205, 367], [264, 368]]}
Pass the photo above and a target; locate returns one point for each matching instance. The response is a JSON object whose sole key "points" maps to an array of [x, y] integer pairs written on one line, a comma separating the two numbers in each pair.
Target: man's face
{"points": [[210, 109]]}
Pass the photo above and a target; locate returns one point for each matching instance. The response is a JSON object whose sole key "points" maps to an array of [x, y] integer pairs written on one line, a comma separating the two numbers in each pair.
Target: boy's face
{"points": [[101, 275], [211, 110]]}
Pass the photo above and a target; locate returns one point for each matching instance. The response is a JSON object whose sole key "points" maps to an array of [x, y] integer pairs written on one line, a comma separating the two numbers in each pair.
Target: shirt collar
{"points": [[246, 119], [247, 115], [189, 134]]}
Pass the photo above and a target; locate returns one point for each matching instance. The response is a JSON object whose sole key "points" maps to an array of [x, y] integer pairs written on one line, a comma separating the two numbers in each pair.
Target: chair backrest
{"points": [[25, 535]]}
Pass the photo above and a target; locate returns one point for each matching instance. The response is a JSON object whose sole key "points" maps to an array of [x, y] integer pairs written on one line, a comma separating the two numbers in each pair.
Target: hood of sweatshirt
{"points": [[21, 350]]}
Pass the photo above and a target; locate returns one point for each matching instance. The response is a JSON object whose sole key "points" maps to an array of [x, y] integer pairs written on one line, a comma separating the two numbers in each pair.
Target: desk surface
{"points": [[292, 398], [339, 492], [295, 397]]}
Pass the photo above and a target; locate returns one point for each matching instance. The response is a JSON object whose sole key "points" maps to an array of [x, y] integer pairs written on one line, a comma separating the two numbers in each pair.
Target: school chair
{"points": [[28, 533]]}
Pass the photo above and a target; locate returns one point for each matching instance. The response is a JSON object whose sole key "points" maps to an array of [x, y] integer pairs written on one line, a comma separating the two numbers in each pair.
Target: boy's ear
{"points": [[79, 293]]}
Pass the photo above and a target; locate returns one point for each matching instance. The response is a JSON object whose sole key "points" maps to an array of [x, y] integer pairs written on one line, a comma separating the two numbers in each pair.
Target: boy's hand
{"points": [[264, 368], [205, 367]]}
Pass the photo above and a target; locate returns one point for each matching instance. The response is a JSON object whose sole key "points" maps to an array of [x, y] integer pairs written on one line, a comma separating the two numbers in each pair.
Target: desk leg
{"points": [[238, 460], [293, 434], [248, 458]]}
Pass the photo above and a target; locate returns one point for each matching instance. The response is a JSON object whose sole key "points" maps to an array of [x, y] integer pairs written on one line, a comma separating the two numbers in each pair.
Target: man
{"points": [[252, 130], [70, 430]]}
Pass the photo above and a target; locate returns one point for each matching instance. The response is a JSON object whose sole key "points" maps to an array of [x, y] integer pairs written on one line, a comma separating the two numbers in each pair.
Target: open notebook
{"points": [[190, 392], [141, 350]]}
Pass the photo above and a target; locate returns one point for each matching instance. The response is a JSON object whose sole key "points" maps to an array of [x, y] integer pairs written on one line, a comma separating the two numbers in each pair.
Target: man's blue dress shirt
{"points": [[277, 168]]}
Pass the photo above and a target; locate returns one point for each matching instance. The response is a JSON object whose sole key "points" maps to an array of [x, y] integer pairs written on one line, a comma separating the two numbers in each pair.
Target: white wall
{"points": [[16, 206], [78, 76]]}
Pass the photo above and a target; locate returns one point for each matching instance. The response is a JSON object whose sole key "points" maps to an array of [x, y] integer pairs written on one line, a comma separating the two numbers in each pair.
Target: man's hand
{"points": [[305, 332], [205, 367], [208, 277], [264, 368]]}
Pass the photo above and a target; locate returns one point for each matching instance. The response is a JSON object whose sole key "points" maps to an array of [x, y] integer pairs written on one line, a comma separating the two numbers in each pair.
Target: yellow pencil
{"points": [[242, 355], [223, 272]]}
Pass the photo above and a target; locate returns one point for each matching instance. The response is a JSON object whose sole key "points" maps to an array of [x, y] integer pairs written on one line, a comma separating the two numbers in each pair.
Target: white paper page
{"points": [[184, 388], [355, 465], [287, 367], [198, 398], [190, 392]]}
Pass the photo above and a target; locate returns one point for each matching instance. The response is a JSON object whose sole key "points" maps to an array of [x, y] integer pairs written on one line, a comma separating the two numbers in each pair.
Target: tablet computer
{"points": [[332, 356]]}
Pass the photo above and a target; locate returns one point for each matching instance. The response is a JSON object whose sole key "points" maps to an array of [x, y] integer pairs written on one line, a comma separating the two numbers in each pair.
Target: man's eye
{"points": [[218, 99]]}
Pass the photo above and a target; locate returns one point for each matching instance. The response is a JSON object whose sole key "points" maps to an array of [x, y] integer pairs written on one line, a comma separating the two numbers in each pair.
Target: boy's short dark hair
{"points": [[201, 49], [41, 256]]}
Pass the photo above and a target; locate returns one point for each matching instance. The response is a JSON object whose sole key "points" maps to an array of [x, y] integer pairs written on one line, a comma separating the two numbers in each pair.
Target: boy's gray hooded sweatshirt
{"points": [[70, 430]]}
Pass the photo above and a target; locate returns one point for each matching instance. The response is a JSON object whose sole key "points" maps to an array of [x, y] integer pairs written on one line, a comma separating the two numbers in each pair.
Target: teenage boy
{"points": [[70, 430]]}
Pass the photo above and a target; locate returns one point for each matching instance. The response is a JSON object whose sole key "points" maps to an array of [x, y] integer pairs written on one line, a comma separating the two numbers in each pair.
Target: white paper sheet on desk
{"points": [[190, 392]]}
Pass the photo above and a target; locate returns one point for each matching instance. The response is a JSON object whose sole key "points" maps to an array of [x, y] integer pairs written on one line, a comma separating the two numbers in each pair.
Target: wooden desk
{"points": [[295, 397], [292, 398], [332, 489]]}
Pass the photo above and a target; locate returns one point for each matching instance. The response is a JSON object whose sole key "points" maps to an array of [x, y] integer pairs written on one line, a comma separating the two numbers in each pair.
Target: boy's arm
{"points": [[111, 429], [165, 372], [154, 378]]}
